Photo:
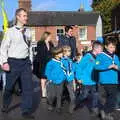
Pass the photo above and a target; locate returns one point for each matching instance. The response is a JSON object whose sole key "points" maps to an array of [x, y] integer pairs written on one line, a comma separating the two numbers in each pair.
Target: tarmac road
{"points": [[41, 112]]}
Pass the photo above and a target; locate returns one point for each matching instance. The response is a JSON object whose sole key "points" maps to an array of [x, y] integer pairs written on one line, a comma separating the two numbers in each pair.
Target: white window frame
{"points": [[85, 35]]}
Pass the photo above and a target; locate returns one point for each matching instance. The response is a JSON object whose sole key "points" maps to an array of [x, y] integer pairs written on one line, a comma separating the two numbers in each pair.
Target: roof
{"points": [[56, 18]]}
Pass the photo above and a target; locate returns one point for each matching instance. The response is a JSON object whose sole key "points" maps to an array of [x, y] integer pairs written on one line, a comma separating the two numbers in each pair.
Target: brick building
{"points": [[87, 25]]}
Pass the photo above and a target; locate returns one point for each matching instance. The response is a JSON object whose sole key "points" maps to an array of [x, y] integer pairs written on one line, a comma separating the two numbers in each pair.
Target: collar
{"points": [[78, 61], [55, 60], [67, 35], [108, 53], [20, 27], [93, 55], [65, 57]]}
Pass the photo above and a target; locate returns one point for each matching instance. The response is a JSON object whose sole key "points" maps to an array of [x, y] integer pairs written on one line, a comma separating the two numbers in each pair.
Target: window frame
{"points": [[85, 35]]}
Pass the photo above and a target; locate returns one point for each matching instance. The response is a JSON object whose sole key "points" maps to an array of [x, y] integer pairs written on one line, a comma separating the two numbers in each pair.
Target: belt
{"points": [[18, 58]]}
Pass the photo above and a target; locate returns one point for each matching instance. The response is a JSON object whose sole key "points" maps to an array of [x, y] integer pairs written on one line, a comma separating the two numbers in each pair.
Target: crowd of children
{"points": [[97, 69]]}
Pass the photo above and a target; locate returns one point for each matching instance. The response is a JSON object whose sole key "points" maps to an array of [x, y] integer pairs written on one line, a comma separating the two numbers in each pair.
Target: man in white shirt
{"points": [[15, 60]]}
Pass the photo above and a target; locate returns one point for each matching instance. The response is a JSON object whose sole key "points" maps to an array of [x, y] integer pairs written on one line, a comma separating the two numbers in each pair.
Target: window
{"points": [[60, 31], [83, 33]]}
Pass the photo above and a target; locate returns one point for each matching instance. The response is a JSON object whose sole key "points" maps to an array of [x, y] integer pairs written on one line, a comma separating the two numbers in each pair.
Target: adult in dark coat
{"points": [[69, 40], [43, 56]]}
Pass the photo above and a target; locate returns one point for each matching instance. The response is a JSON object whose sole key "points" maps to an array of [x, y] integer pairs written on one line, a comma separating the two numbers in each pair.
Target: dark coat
{"points": [[41, 59], [70, 41]]}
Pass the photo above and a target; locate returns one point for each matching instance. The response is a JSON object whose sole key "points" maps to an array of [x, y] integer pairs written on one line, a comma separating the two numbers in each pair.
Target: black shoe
{"points": [[50, 108], [27, 115], [44, 100], [4, 109]]}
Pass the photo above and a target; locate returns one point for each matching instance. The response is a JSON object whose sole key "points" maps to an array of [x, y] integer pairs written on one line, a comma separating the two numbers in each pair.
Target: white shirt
{"points": [[14, 46]]}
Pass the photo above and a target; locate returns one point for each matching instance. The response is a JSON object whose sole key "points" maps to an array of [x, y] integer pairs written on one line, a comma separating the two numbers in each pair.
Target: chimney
{"points": [[26, 4]]}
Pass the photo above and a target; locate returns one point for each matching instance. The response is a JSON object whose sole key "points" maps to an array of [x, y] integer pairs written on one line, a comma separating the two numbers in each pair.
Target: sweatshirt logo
{"points": [[97, 62]]}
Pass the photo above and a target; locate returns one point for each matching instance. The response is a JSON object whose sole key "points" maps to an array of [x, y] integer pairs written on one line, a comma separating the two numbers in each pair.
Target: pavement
{"points": [[40, 109]]}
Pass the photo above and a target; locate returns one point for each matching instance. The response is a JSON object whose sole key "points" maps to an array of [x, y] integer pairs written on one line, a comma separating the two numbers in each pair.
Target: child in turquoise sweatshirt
{"points": [[55, 75], [108, 64], [84, 74], [69, 70]]}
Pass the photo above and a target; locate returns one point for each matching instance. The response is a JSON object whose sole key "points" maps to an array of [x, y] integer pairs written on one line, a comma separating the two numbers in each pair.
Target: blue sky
{"points": [[51, 5]]}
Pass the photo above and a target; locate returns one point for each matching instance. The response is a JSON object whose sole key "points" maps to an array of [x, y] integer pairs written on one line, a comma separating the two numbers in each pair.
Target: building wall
{"points": [[91, 33]]}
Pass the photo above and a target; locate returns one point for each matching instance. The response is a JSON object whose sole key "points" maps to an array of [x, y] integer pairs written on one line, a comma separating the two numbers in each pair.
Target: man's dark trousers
{"points": [[19, 68]]}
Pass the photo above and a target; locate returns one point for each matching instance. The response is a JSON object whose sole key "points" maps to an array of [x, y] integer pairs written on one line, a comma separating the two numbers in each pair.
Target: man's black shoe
{"points": [[27, 115], [4, 109]]}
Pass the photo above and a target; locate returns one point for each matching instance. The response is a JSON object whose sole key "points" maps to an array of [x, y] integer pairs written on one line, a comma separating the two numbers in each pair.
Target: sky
{"points": [[46, 5]]}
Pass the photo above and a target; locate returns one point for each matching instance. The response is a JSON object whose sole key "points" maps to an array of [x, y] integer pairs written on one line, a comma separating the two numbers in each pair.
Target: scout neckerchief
{"points": [[69, 71], [110, 55], [61, 65]]}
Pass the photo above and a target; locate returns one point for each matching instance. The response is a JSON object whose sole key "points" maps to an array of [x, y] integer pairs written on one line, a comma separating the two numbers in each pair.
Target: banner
{"points": [[4, 15]]}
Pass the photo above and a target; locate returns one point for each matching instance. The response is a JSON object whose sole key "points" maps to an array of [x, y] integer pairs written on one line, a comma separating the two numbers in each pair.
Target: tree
{"points": [[105, 8], [95, 2]]}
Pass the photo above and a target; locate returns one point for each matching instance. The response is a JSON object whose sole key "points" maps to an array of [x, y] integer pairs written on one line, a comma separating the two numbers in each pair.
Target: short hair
{"points": [[110, 40], [78, 54], [19, 10], [66, 47], [67, 28], [95, 44], [56, 50]]}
